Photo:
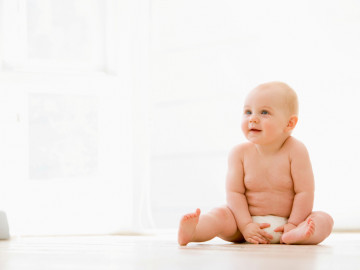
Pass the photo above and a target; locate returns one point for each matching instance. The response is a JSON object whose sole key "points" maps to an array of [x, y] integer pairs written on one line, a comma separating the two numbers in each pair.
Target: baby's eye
{"points": [[248, 112], [264, 112]]}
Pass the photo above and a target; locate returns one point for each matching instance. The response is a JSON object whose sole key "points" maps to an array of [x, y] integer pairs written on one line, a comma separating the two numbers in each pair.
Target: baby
{"points": [[269, 183]]}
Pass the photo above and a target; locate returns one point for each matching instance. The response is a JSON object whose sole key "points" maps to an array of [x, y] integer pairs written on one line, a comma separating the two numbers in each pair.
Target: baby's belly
{"points": [[270, 203]]}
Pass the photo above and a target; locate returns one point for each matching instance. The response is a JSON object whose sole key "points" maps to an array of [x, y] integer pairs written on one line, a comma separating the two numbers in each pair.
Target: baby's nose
{"points": [[253, 119]]}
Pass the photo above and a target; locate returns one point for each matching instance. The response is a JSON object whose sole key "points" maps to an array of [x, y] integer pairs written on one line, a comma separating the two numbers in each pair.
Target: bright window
{"points": [[43, 35], [66, 132]]}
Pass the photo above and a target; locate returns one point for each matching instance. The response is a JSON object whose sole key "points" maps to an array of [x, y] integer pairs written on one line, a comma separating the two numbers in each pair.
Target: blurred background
{"points": [[117, 116]]}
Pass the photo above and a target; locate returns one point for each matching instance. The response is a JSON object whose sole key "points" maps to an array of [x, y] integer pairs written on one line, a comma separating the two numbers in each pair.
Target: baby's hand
{"points": [[254, 233], [284, 229]]}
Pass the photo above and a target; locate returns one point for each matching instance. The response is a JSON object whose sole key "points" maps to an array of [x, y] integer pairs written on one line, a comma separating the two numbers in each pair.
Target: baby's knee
{"points": [[223, 213], [324, 216]]}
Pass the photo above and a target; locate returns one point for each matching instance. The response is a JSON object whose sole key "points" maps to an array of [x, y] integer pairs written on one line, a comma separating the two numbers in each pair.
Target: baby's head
{"points": [[286, 96], [270, 112]]}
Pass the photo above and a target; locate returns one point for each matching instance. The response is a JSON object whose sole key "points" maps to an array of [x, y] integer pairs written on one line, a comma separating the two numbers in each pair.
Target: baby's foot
{"points": [[300, 233], [187, 227]]}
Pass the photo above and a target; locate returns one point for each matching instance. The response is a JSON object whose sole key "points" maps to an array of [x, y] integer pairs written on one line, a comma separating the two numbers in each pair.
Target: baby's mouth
{"points": [[254, 130]]}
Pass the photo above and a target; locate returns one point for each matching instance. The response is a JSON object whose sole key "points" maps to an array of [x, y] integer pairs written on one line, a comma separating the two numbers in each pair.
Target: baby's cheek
{"points": [[244, 126], [269, 127]]}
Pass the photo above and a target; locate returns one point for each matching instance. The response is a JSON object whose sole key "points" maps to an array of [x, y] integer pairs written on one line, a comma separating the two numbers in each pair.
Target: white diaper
{"points": [[274, 222]]}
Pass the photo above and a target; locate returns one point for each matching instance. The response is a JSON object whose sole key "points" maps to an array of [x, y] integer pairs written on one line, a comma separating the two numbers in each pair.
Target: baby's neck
{"points": [[270, 149]]}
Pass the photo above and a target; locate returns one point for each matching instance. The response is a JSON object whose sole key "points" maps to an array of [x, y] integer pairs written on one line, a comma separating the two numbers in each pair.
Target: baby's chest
{"points": [[274, 174]]}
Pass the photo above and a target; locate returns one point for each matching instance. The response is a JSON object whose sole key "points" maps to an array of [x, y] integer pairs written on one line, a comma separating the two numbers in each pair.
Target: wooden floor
{"points": [[339, 251]]}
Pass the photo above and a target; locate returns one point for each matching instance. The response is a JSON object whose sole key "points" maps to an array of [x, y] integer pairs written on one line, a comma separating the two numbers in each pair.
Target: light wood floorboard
{"points": [[339, 251]]}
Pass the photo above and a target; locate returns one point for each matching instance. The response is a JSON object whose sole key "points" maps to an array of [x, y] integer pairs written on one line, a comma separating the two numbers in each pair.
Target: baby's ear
{"points": [[292, 122]]}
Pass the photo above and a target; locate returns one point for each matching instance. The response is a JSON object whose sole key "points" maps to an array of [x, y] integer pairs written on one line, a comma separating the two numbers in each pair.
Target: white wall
{"points": [[206, 55], [175, 74]]}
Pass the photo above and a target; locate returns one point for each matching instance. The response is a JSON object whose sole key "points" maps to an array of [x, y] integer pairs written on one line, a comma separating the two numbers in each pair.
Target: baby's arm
{"points": [[235, 193], [303, 179]]}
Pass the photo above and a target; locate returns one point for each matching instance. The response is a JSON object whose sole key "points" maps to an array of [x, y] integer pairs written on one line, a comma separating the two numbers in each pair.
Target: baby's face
{"points": [[265, 117]]}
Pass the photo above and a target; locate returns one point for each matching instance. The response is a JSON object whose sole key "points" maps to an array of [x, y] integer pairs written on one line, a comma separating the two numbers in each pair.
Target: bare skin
{"points": [[187, 230], [269, 175]]}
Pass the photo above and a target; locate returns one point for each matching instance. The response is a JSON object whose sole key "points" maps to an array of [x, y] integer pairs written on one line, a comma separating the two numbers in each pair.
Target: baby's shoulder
{"points": [[294, 146], [240, 149]]}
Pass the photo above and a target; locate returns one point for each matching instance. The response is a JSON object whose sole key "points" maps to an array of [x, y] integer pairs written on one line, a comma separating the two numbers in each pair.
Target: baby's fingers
{"points": [[266, 235], [279, 229], [252, 241], [257, 240], [264, 225]]}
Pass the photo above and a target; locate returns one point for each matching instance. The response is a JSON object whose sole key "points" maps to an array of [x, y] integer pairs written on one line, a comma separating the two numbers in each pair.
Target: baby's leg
{"points": [[199, 228], [312, 231]]}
